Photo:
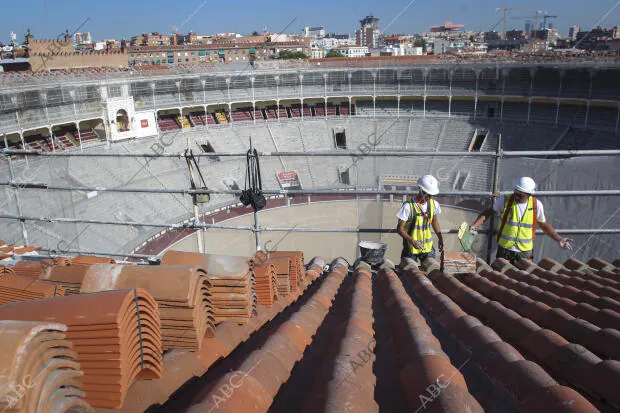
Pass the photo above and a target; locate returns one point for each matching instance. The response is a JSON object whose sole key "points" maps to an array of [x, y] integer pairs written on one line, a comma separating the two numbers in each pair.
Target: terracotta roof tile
{"points": [[31, 268], [297, 271], [285, 348], [425, 362], [549, 346], [116, 334], [560, 317], [87, 260], [182, 293], [522, 378], [232, 283], [69, 277], [557, 399], [21, 288], [266, 284], [600, 264], [38, 368]]}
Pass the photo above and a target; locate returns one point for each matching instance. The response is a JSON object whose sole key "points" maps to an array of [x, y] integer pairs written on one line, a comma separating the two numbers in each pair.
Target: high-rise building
{"points": [[82, 38], [572, 32], [529, 27], [368, 34], [313, 32]]}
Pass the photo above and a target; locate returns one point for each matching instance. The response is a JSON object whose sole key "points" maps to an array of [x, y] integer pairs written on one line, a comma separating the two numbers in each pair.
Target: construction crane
{"points": [[496, 24], [505, 10], [536, 16]]}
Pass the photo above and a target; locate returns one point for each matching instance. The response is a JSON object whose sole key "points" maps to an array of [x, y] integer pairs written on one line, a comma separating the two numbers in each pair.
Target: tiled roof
{"points": [[527, 337]]}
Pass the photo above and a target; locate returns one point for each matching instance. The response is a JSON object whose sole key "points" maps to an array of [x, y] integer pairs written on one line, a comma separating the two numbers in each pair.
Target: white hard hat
{"points": [[525, 185], [429, 184]]}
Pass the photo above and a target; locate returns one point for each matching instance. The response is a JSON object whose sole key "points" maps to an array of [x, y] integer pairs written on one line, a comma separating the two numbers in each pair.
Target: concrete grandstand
{"points": [[90, 176]]}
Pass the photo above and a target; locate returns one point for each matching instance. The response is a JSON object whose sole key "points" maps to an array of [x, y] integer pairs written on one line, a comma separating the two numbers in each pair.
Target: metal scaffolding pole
{"points": [[369, 192], [496, 168], [254, 228], [18, 203], [334, 153], [195, 199]]}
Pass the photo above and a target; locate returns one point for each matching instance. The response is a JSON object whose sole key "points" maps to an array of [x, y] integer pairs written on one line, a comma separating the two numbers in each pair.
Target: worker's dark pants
{"points": [[514, 256]]}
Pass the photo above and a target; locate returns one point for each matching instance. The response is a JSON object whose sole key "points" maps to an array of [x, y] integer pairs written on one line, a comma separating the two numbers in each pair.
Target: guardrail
{"points": [[256, 229]]}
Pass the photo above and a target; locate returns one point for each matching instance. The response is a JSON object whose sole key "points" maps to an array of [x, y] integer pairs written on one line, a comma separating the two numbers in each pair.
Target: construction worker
{"points": [[415, 219], [519, 214]]}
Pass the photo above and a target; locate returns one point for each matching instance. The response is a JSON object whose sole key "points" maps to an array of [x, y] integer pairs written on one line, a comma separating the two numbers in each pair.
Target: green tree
{"points": [[334, 53], [420, 43], [287, 54], [255, 33]]}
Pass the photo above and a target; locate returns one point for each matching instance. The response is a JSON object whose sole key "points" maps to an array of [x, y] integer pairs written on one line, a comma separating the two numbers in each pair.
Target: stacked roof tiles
{"points": [[68, 277], [116, 335], [11, 250], [39, 371], [182, 293], [31, 268], [297, 271], [19, 288], [266, 284], [282, 267], [232, 283], [87, 260]]}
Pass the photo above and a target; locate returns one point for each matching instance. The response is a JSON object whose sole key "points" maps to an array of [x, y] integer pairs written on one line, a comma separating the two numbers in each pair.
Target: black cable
{"points": [[253, 192]]}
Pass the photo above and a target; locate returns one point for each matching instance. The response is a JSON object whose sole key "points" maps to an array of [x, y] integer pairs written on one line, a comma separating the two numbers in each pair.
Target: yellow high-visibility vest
{"points": [[517, 231], [419, 228]]}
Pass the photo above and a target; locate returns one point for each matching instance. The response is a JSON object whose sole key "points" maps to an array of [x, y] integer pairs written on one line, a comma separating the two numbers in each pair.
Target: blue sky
{"points": [[118, 19]]}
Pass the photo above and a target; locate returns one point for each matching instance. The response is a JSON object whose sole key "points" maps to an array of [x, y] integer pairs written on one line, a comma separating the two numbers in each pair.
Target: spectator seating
{"points": [[183, 121], [221, 117], [197, 119], [88, 135], [241, 115], [331, 110], [272, 112], [167, 123], [295, 111]]}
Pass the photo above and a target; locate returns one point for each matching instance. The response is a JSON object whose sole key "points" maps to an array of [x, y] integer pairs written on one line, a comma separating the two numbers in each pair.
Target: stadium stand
{"points": [[167, 123], [241, 115], [583, 122]]}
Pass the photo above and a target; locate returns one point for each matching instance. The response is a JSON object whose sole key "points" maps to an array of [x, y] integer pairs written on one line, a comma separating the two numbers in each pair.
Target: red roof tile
{"points": [[116, 335], [182, 293], [522, 378], [21, 288], [38, 369]]}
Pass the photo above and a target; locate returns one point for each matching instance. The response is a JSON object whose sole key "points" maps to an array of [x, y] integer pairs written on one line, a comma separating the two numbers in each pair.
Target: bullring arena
{"points": [[95, 164]]}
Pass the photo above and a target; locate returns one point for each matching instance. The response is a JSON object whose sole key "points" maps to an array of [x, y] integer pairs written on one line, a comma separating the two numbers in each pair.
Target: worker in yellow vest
{"points": [[415, 219], [519, 214]]}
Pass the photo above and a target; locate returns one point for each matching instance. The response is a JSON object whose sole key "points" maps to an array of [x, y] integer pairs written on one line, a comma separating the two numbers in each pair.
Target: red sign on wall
{"points": [[144, 123], [289, 180]]}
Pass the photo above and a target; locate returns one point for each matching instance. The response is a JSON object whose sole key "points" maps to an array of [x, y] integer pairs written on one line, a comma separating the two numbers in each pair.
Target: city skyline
{"points": [[49, 18]]}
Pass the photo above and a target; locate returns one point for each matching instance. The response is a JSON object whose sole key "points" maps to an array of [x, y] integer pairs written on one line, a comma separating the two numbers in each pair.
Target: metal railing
{"points": [[357, 193]]}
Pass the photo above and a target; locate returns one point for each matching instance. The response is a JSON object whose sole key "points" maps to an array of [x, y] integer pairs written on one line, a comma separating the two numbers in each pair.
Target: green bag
{"points": [[466, 237]]}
